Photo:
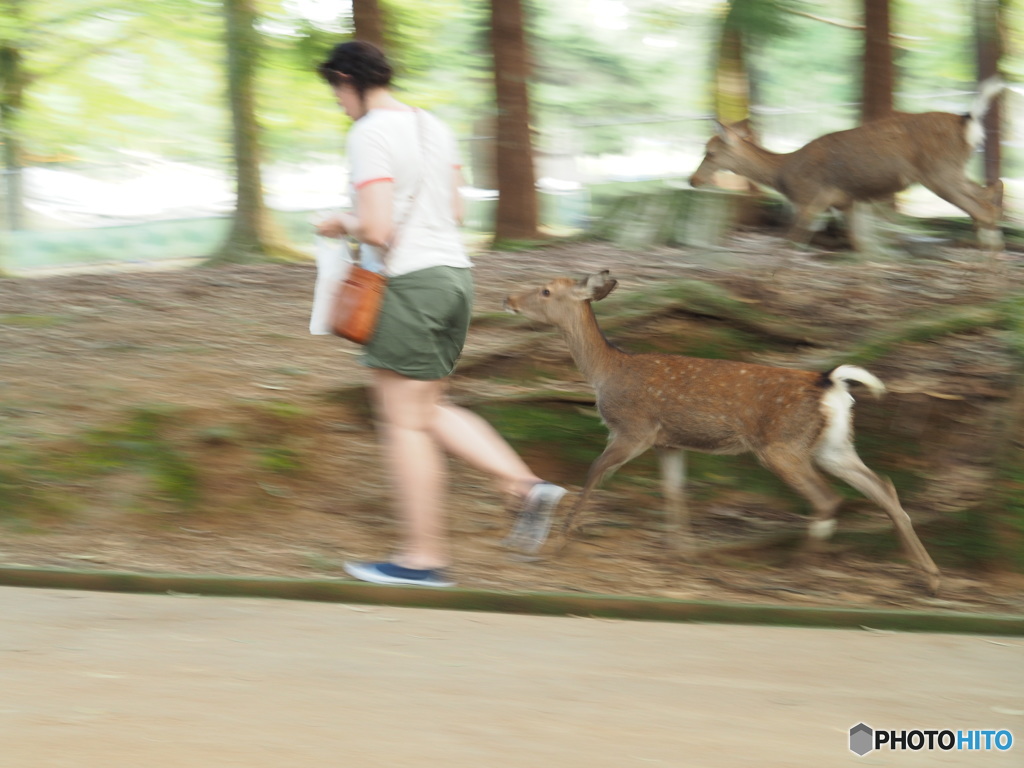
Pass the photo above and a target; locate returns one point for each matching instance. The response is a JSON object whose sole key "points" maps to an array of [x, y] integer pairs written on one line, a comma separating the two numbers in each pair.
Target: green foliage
{"points": [[760, 20], [148, 75], [281, 409], [27, 486], [143, 442], [956, 320], [1012, 309], [964, 539], [571, 433], [781, 70], [1008, 507], [32, 321], [273, 434], [281, 459], [600, 79], [109, 75], [157, 458]]}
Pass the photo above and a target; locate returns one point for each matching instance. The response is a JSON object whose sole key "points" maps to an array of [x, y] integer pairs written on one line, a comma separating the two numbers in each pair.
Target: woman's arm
{"points": [[374, 225]]}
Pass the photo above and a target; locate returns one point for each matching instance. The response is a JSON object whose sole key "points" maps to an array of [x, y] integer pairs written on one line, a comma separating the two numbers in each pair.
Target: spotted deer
{"points": [[790, 419], [869, 162]]}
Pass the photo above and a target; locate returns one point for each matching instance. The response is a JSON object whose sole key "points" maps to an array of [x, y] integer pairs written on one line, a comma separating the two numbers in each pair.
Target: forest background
{"points": [[119, 140]]}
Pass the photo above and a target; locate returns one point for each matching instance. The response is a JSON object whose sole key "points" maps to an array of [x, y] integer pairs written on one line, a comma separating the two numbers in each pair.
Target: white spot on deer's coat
{"points": [[822, 529]]}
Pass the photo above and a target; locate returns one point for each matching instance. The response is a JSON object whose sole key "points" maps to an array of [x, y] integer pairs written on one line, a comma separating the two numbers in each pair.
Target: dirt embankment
{"points": [[185, 421]]}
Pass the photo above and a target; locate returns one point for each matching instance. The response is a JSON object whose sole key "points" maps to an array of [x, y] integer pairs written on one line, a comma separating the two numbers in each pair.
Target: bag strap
{"points": [[383, 251]]}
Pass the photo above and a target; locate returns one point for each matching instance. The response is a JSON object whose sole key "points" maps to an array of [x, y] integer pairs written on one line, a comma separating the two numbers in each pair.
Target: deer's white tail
{"points": [[845, 373], [989, 89], [837, 408]]}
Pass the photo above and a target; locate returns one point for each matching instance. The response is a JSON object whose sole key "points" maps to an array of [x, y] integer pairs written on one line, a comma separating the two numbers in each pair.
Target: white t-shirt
{"points": [[404, 147]]}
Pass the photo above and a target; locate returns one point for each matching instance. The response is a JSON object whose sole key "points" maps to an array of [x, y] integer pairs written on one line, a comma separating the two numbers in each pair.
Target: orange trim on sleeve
{"points": [[362, 184]]}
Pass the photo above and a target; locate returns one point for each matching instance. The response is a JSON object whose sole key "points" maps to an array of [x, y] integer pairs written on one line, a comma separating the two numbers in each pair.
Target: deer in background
{"points": [[790, 419], [869, 162]]}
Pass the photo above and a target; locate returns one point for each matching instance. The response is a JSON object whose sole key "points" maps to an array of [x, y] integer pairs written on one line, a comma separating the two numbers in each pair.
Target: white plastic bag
{"points": [[332, 264]]}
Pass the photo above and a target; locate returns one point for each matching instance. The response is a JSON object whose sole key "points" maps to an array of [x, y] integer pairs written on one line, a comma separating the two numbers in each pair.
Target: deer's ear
{"points": [[600, 285], [727, 134], [743, 128], [735, 133]]}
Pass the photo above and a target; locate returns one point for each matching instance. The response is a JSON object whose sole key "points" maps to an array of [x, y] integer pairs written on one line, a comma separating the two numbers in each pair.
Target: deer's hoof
{"points": [[934, 581]]}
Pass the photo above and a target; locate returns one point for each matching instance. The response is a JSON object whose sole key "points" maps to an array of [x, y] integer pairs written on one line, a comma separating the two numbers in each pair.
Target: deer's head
{"points": [[559, 300], [725, 151]]}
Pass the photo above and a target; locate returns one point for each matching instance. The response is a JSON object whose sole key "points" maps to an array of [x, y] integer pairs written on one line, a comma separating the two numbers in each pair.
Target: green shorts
{"points": [[423, 323]]}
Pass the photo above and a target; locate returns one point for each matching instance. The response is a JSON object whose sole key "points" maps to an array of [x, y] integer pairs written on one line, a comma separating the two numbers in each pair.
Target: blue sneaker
{"points": [[389, 573], [534, 522]]}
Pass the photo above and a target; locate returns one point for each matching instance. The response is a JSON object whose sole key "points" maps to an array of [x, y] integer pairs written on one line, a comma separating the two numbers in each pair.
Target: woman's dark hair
{"points": [[358, 62]]}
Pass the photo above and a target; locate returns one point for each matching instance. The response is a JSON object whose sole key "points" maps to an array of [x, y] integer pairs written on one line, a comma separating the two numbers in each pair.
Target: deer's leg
{"points": [[621, 448], [673, 481], [807, 213], [983, 204], [803, 225], [857, 224], [845, 464], [868, 224], [797, 471]]}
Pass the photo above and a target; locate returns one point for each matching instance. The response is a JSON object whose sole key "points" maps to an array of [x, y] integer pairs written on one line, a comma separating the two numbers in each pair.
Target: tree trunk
{"points": [[516, 217], [249, 238], [732, 90], [13, 79], [876, 102], [877, 83], [368, 21], [988, 29], [732, 82]]}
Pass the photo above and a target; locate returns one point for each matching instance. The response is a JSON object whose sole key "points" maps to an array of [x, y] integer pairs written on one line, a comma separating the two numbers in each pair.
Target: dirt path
{"points": [[97, 680]]}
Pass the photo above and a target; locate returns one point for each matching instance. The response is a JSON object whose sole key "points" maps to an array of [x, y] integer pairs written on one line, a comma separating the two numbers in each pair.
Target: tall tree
{"points": [[731, 85], [517, 214], [877, 79], [13, 81], [745, 25], [368, 21], [251, 236], [988, 37]]}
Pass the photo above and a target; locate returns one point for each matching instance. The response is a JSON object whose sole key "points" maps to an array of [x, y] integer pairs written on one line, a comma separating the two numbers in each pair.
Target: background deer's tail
{"points": [[988, 90]]}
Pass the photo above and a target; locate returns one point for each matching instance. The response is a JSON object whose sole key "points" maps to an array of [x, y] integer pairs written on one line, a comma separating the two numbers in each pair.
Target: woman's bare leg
{"points": [[468, 436], [415, 425], [406, 409]]}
